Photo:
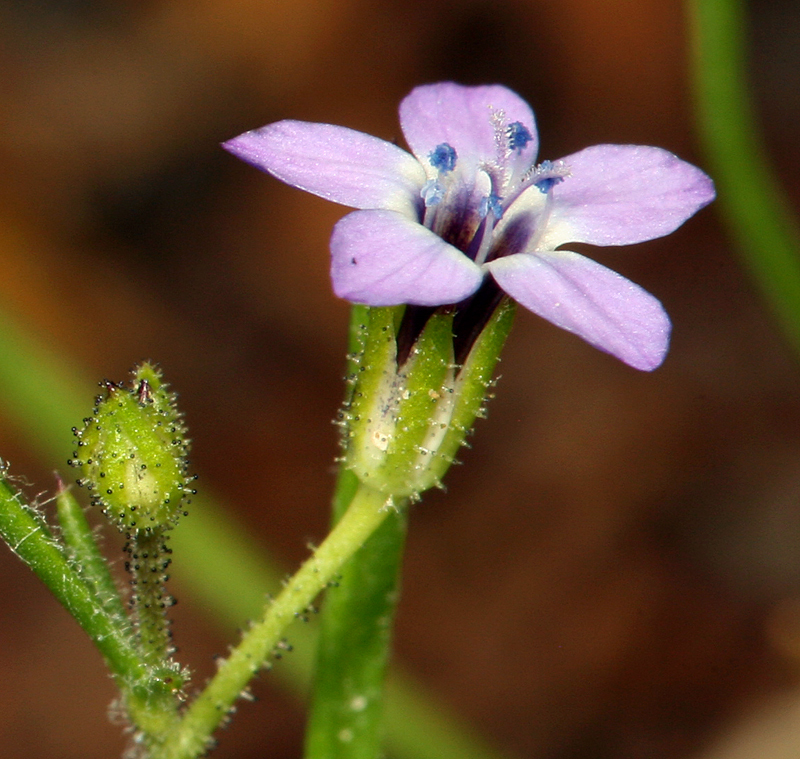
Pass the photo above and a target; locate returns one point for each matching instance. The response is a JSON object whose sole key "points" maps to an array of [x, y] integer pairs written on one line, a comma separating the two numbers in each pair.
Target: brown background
{"points": [[615, 572]]}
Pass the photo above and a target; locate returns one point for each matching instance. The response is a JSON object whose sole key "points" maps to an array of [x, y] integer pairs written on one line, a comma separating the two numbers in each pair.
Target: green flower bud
{"points": [[404, 423], [132, 453]]}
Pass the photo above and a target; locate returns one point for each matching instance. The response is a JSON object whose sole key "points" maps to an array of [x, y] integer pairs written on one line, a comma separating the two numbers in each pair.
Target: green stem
{"points": [[750, 196], [149, 558], [222, 565], [346, 714], [193, 735]]}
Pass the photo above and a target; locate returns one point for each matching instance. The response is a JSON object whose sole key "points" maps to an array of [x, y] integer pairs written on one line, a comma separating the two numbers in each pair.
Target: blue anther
{"points": [[491, 203], [548, 174], [432, 193], [547, 184], [518, 136], [443, 157]]}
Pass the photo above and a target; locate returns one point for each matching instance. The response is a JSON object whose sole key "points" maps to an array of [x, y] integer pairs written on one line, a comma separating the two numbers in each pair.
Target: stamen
{"points": [[518, 136], [498, 121], [432, 193], [492, 203], [547, 175], [542, 220], [443, 158], [510, 138], [545, 185]]}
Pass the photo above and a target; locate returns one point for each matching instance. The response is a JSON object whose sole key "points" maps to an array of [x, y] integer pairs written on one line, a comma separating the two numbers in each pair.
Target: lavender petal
{"points": [[336, 163], [624, 194], [380, 258], [584, 297]]}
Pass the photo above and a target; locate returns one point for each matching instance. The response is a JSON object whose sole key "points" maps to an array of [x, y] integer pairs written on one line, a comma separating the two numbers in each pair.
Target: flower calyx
{"points": [[408, 414]]}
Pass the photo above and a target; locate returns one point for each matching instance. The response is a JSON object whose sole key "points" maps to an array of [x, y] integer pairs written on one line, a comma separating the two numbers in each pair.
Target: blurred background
{"points": [[615, 572]]}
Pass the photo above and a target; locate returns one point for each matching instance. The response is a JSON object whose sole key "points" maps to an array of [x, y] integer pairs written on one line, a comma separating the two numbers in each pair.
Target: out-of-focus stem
{"points": [[749, 194]]}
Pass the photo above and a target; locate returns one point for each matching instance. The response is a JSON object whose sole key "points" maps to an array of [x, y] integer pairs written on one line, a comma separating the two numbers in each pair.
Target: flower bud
{"points": [[132, 453]]}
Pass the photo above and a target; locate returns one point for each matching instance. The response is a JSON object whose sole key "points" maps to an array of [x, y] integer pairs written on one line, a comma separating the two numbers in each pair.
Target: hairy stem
{"points": [[148, 562], [193, 735]]}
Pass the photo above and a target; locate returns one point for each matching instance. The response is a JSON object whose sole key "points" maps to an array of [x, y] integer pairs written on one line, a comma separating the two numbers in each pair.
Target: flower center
{"points": [[464, 203]]}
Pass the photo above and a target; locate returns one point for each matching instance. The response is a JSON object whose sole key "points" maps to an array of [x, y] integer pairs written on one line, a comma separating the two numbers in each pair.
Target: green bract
{"points": [[132, 453]]}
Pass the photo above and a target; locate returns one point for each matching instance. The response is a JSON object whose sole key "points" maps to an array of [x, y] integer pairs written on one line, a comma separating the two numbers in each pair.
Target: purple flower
{"points": [[471, 203]]}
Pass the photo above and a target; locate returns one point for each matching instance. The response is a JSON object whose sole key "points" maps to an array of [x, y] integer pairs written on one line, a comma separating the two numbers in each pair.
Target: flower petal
{"points": [[382, 259], [336, 163], [462, 117], [623, 194], [579, 295]]}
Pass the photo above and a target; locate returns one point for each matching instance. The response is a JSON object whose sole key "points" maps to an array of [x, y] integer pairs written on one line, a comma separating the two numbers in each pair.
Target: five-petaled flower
{"points": [[471, 203]]}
